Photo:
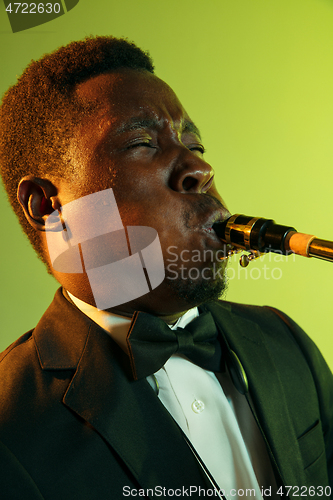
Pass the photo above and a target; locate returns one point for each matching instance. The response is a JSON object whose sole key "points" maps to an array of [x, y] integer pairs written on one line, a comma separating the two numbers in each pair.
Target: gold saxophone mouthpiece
{"points": [[258, 236]]}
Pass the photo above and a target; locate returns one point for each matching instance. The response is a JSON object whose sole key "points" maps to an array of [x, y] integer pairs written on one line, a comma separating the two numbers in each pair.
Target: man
{"points": [[91, 406]]}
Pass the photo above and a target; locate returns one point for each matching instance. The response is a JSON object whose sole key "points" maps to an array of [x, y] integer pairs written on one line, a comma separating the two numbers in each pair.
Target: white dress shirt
{"points": [[213, 415]]}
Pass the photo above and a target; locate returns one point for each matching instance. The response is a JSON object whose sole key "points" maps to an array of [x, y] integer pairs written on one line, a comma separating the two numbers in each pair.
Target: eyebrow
{"points": [[191, 128], [136, 123]]}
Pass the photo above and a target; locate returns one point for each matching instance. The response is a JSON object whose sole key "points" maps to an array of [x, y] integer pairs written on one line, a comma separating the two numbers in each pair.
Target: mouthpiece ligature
{"points": [[257, 236]]}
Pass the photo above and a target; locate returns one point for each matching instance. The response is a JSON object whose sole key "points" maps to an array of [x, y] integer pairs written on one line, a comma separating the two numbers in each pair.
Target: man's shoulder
{"points": [[30, 365], [16, 361], [265, 316], [23, 341], [266, 325], [49, 336]]}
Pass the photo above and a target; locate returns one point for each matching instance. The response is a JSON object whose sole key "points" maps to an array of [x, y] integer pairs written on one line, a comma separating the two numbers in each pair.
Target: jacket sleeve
{"points": [[323, 380]]}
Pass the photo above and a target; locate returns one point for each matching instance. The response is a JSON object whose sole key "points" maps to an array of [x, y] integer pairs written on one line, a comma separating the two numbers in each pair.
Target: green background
{"points": [[257, 78]]}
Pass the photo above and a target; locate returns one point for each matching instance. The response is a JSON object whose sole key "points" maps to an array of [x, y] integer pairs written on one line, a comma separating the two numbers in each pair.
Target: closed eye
{"points": [[140, 144], [197, 147]]}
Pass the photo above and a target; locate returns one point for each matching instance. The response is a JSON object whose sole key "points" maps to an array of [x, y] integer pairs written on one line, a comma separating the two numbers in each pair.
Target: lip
{"points": [[216, 216], [207, 229], [208, 184]]}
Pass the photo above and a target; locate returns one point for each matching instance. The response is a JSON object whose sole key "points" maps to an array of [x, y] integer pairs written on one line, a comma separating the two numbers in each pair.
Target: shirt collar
{"points": [[117, 326]]}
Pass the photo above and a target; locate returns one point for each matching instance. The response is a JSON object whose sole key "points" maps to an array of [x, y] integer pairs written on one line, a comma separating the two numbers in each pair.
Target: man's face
{"points": [[141, 143]]}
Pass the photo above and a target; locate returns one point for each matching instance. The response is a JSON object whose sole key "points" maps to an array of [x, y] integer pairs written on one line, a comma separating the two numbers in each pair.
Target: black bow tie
{"points": [[151, 342]]}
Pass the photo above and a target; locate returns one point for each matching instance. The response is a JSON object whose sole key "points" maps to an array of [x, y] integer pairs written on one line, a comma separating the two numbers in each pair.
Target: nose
{"points": [[191, 175]]}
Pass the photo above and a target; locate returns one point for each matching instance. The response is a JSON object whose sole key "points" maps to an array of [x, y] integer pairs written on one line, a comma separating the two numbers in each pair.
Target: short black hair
{"points": [[38, 114]]}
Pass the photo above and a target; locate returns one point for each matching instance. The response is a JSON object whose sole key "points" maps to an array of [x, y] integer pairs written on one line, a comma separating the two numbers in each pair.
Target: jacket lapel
{"points": [[126, 413], [271, 404]]}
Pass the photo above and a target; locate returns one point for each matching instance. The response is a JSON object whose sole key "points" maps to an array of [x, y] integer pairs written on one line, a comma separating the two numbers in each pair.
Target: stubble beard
{"points": [[194, 292]]}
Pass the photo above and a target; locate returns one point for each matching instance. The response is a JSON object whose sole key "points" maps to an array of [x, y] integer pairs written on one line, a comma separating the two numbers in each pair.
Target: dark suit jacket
{"points": [[74, 425]]}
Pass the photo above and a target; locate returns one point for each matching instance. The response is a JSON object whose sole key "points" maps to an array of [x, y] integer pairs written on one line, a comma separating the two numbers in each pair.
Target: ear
{"points": [[38, 199]]}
